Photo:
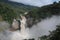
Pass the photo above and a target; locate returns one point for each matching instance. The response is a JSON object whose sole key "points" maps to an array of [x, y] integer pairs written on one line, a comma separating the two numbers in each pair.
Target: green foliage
{"points": [[45, 11], [44, 37], [53, 9], [55, 35], [7, 12]]}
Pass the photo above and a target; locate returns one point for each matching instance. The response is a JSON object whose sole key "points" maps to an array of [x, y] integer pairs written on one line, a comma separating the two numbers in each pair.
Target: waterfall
{"points": [[38, 30], [23, 24]]}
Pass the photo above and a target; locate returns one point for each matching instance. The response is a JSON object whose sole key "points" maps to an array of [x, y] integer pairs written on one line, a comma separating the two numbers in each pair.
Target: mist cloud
{"points": [[42, 28]]}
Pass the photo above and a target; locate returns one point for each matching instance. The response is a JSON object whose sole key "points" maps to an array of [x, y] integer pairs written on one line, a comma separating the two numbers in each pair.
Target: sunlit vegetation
{"points": [[9, 12]]}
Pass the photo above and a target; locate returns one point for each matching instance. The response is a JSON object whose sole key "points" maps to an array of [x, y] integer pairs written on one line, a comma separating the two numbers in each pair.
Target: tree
{"points": [[7, 13], [54, 35]]}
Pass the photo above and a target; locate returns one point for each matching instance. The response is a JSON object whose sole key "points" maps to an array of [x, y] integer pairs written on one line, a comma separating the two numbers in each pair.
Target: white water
{"points": [[42, 28]]}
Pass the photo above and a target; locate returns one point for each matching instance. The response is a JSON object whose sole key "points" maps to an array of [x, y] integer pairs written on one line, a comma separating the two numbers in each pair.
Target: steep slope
{"points": [[19, 5]]}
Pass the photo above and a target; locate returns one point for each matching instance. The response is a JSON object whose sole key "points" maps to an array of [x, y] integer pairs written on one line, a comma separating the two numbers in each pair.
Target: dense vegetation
{"points": [[54, 35], [9, 12], [43, 12], [46, 11]]}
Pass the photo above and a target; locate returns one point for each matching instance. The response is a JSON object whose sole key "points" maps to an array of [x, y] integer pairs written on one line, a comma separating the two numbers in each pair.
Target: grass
{"points": [[3, 28], [1, 18]]}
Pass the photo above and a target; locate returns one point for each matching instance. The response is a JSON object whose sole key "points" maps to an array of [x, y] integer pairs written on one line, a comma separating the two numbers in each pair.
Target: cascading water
{"points": [[23, 23], [38, 30]]}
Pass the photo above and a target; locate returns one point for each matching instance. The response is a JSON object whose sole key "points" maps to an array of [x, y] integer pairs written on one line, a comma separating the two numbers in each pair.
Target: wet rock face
{"points": [[15, 25]]}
